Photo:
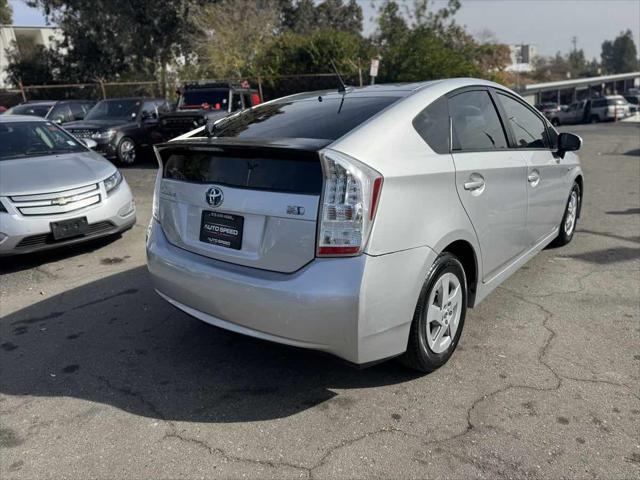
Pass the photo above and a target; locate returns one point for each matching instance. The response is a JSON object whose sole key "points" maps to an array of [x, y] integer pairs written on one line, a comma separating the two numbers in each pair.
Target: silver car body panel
{"points": [[40, 190], [361, 308]]}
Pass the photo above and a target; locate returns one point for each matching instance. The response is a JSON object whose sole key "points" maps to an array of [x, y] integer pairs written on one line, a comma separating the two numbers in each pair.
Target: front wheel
{"points": [[127, 151], [570, 218], [439, 316]]}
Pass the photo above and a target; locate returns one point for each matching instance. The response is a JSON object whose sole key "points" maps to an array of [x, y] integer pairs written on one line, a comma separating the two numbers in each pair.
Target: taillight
{"points": [[349, 199]]}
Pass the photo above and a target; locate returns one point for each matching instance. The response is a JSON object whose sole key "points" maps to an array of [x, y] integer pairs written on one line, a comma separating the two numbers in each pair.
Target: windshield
{"points": [[217, 99], [316, 117], [114, 110], [33, 139], [616, 101], [31, 110]]}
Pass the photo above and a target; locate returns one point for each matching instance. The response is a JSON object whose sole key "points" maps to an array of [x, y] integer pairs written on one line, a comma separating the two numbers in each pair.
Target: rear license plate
{"points": [[74, 227], [222, 229]]}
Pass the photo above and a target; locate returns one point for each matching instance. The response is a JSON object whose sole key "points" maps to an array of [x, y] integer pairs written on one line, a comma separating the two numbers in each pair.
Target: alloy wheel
{"points": [[572, 213], [443, 312], [127, 152]]}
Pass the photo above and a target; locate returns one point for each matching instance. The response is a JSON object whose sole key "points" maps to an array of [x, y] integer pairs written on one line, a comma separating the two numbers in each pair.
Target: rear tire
{"points": [[555, 122], [439, 316], [570, 218], [594, 119]]}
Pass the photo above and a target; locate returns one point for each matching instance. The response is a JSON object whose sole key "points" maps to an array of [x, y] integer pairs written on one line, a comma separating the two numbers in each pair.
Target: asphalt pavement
{"points": [[100, 378]]}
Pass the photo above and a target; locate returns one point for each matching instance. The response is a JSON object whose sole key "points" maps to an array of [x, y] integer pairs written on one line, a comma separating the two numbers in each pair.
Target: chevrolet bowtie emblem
{"points": [[60, 201]]}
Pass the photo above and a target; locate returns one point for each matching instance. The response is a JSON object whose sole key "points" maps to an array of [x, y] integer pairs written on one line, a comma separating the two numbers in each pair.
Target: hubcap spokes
{"points": [[443, 312], [128, 150], [572, 211]]}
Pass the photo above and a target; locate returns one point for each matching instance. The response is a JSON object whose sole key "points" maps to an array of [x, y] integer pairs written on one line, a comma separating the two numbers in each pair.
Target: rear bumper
{"points": [[358, 308]]}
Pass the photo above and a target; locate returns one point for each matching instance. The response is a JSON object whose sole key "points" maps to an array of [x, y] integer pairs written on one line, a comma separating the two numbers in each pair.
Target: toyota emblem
{"points": [[214, 196]]}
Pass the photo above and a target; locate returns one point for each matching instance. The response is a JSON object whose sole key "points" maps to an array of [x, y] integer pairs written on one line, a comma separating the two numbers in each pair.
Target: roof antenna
{"points": [[342, 88]]}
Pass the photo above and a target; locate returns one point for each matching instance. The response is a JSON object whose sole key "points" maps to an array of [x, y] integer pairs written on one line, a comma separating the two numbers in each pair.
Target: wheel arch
{"points": [[466, 253], [580, 181]]}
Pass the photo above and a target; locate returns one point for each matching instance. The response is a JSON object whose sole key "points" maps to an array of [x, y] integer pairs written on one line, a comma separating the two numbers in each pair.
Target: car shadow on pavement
{"points": [[17, 263], [115, 342]]}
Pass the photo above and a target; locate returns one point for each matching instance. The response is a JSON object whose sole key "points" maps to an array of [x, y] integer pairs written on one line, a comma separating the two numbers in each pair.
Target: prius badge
{"points": [[214, 196]]}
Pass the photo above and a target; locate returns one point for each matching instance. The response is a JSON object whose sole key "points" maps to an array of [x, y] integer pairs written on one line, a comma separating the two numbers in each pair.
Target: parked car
{"points": [[548, 109], [202, 102], [568, 115], [121, 126], [58, 111], [361, 223], [608, 108], [54, 190], [634, 103]]}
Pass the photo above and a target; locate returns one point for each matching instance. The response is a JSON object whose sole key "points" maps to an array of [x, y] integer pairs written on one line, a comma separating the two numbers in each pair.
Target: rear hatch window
{"points": [[275, 170], [315, 117]]}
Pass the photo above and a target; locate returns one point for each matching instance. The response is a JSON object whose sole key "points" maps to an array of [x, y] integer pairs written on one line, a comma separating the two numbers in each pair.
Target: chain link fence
{"points": [[270, 87]]}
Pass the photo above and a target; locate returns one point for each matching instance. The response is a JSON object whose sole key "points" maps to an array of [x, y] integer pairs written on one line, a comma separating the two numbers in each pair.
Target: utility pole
{"points": [[574, 42]]}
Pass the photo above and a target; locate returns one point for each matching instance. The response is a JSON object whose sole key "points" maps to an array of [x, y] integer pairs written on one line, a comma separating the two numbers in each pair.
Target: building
{"points": [[23, 37], [565, 92], [522, 57]]}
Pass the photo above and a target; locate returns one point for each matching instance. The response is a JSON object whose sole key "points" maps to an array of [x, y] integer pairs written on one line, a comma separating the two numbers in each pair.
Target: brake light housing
{"points": [[350, 195]]}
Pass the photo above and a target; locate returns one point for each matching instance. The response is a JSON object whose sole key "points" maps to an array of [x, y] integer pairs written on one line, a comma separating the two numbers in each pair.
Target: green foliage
{"points": [[108, 38], [431, 45], [620, 55], [293, 53], [303, 16], [31, 65], [6, 13]]}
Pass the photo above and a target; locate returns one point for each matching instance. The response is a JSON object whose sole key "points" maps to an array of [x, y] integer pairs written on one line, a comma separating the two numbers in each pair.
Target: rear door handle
{"points": [[476, 182], [534, 178]]}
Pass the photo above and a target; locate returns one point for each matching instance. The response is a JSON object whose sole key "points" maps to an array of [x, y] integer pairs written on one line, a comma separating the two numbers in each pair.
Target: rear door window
{"points": [[528, 129], [475, 122], [316, 117], [432, 124]]}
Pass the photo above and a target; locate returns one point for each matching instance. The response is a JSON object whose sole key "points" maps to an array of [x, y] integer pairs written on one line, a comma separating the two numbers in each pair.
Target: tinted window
{"points": [[528, 129], [77, 110], [433, 125], [236, 100], [329, 119], [114, 109], [476, 125], [598, 103], [32, 139], [282, 171], [216, 99], [60, 114], [27, 109], [616, 101]]}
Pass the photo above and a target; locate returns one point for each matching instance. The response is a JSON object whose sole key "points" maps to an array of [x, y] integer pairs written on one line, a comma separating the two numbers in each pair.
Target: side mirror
{"points": [[568, 142], [90, 143]]}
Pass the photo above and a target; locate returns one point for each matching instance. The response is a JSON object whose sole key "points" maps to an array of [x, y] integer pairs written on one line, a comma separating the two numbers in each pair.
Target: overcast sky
{"points": [[549, 24]]}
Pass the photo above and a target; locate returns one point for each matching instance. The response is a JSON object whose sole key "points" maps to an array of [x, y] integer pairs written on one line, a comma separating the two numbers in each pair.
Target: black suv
{"points": [[120, 126], [58, 111], [202, 102]]}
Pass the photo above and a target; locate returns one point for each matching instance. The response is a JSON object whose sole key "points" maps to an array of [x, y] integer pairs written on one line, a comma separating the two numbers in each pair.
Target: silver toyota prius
{"points": [[362, 222], [54, 190]]}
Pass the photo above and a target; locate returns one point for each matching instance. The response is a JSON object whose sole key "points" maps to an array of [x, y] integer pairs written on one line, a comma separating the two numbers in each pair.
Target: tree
{"points": [[228, 40], [31, 65], [303, 16], [421, 43], [107, 38], [6, 13], [620, 55]]}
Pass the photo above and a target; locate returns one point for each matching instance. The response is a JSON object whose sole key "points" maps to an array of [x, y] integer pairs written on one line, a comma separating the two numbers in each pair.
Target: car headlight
{"points": [[104, 135], [113, 181]]}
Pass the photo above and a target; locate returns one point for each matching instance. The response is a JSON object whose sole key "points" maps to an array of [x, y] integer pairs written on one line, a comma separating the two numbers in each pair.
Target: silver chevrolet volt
{"points": [[54, 190], [361, 222]]}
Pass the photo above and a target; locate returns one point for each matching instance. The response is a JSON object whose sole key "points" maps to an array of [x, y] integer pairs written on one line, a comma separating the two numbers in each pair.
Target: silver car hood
{"points": [[25, 176]]}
